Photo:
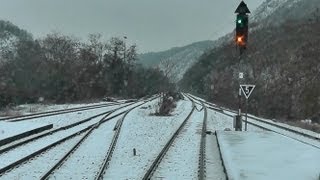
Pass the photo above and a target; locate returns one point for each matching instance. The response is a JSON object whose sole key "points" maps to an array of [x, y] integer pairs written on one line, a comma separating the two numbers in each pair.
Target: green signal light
{"points": [[239, 21]]}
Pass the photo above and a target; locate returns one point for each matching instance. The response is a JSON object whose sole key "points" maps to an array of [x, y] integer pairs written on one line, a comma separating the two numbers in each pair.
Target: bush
{"points": [[166, 105]]}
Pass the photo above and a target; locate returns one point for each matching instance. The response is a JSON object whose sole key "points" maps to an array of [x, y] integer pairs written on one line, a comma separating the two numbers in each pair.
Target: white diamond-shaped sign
{"points": [[247, 89]]}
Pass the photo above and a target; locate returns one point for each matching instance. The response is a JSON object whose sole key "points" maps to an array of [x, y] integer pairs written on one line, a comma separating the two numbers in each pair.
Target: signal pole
{"points": [[241, 39]]}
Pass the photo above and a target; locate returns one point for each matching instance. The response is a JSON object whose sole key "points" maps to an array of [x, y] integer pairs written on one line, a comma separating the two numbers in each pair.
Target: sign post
{"points": [[247, 89]]}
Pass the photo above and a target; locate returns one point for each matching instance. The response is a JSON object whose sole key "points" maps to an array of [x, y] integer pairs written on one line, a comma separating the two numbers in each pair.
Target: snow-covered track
{"points": [[274, 127], [46, 175], [12, 165], [70, 154], [56, 112], [160, 156], [50, 132], [202, 152], [202, 156], [111, 149], [13, 156], [282, 130]]}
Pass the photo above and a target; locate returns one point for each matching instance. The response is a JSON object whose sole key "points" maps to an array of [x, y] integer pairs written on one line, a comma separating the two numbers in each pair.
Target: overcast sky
{"points": [[153, 25]]}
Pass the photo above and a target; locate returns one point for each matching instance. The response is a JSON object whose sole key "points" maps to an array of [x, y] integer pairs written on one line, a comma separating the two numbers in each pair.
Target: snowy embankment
{"points": [[147, 134], [267, 155]]}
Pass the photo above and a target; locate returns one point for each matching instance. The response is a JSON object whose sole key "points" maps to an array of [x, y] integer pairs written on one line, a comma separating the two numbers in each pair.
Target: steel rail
{"points": [[32, 155], [75, 147], [59, 129], [54, 113], [160, 156], [202, 156]]}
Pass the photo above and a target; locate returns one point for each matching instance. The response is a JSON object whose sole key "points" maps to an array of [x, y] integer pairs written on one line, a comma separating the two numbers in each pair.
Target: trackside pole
{"points": [[246, 123]]}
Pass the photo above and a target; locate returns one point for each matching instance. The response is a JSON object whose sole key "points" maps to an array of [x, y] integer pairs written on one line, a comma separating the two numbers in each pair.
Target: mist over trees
{"points": [[61, 68]]}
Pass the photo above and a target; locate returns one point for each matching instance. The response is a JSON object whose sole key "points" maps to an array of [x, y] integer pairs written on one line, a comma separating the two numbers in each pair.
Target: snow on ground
{"points": [[22, 151], [37, 108], [182, 159], [221, 122], [89, 156], [147, 134], [252, 118], [68, 118], [288, 133], [214, 168], [36, 167], [218, 121], [305, 131], [267, 155], [9, 129]]}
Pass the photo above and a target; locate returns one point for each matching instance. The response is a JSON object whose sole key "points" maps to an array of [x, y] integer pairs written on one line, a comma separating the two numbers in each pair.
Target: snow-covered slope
{"points": [[177, 60], [275, 12]]}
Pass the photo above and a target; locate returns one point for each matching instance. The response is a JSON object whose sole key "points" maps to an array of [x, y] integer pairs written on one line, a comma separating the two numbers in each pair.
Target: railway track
{"points": [[279, 129], [216, 166], [71, 153], [150, 171], [202, 155], [111, 149], [8, 146], [56, 112], [19, 159]]}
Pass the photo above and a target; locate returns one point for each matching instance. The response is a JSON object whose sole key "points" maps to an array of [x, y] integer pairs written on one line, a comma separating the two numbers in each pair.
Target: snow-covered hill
{"points": [[281, 59], [176, 61], [275, 12], [269, 13]]}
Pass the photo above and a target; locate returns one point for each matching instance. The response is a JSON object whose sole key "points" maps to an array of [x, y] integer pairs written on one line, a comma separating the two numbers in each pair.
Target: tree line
{"points": [[60, 68]]}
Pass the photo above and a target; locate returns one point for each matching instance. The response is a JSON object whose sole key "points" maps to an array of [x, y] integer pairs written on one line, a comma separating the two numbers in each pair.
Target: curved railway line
{"points": [[66, 144], [111, 149], [165, 149], [8, 146], [202, 156], [40, 146], [56, 112], [269, 126]]}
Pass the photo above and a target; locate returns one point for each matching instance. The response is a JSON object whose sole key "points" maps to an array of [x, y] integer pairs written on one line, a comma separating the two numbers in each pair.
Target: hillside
{"points": [[282, 60], [179, 59]]}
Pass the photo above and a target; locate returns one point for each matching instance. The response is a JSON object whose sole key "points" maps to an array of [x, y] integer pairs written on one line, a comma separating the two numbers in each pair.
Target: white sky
{"points": [[153, 25]]}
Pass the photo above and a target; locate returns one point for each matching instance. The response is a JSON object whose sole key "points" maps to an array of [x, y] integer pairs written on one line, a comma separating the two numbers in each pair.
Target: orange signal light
{"points": [[239, 39]]}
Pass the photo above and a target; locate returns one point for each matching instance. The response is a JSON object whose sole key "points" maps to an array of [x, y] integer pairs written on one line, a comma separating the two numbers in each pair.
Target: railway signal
{"points": [[241, 39], [242, 22]]}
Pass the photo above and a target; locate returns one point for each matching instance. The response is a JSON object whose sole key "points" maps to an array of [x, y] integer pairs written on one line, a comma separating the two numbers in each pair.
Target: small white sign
{"points": [[247, 89], [240, 75]]}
